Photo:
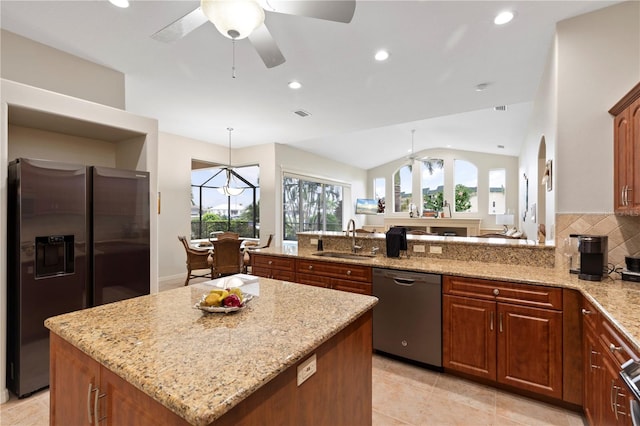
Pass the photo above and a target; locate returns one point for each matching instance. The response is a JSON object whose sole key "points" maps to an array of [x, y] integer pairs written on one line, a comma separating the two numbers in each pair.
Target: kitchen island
{"points": [[157, 358]]}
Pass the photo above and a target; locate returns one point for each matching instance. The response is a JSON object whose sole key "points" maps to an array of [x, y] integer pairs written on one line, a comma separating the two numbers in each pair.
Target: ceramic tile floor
{"points": [[403, 394]]}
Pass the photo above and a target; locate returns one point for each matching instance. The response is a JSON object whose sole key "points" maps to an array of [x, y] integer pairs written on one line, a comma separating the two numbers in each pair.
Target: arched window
{"points": [[432, 184], [466, 186], [402, 191]]}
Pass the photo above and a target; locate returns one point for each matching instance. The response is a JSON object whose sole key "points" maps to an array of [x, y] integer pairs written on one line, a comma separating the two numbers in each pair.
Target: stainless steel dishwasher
{"points": [[407, 321]]}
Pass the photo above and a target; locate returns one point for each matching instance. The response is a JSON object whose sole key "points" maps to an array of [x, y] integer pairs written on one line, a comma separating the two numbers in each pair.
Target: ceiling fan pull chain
{"points": [[233, 58]]}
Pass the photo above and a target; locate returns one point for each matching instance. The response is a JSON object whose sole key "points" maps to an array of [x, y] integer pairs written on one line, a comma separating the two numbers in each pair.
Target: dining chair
{"points": [[196, 260], [227, 256]]}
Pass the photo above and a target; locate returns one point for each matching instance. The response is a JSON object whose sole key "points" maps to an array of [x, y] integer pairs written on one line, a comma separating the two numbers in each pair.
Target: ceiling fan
{"points": [[237, 19]]}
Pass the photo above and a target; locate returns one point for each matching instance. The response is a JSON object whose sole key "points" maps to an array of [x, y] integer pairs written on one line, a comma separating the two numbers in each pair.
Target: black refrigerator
{"points": [[77, 236]]}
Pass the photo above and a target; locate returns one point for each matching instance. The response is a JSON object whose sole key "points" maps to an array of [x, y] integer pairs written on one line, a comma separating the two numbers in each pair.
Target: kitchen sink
{"points": [[341, 255]]}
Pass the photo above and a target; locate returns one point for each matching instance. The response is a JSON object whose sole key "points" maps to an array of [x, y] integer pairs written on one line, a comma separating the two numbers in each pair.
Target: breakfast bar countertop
{"points": [[200, 365], [618, 300]]}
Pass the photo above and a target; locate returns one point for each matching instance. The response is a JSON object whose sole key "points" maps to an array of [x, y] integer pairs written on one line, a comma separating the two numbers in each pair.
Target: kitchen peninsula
{"points": [[157, 360]]}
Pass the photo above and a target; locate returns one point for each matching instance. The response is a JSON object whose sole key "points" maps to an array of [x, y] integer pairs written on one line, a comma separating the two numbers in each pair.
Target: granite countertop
{"points": [[200, 365], [618, 300]]}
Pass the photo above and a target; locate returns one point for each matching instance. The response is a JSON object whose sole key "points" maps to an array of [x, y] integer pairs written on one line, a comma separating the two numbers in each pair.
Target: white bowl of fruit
{"points": [[223, 300]]}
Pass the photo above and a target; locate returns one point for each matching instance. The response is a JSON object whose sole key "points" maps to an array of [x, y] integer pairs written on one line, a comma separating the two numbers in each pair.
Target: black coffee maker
{"points": [[594, 252]]}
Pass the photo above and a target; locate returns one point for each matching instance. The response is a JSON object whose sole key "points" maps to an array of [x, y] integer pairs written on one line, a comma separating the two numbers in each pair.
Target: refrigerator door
{"points": [[46, 262], [120, 226]]}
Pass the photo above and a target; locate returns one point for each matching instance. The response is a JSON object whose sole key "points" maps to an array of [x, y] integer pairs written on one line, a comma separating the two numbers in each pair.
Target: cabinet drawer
{"points": [[614, 343], [316, 280], [273, 262], [276, 274], [590, 315], [335, 270], [522, 294]]}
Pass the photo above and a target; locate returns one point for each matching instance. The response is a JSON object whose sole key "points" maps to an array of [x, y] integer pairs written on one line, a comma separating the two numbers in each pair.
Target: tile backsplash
{"points": [[623, 233]]}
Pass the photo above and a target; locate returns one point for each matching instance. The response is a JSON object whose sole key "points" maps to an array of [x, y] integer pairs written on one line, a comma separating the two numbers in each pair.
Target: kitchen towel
{"points": [[396, 241]]}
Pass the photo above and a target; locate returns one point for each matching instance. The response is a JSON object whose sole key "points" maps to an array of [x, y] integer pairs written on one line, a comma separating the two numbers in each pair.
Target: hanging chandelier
{"points": [[228, 189]]}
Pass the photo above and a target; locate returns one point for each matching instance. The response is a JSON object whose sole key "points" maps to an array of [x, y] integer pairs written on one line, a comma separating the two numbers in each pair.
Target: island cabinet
{"points": [[90, 394], [606, 397], [276, 267], [338, 276], [504, 332], [626, 143]]}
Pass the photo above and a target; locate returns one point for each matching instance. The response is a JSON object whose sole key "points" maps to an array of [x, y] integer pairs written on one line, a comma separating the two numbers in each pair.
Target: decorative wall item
{"points": [[526, 198], [547, 177]]}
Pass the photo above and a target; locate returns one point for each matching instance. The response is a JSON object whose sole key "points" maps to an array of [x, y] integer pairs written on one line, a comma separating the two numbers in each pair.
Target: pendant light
{"points": [[228, 189]]}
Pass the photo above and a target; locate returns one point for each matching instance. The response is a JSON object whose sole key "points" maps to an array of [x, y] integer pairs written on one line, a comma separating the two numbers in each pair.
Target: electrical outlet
{"points": [[435, 249], [306, 369], [418, 248], [314, 241]]}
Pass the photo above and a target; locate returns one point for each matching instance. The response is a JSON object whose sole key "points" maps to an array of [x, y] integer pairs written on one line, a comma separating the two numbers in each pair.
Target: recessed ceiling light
{"points": [[501, 146], [120, 3], [382, 55], [294, 84], [482, 86], [503, 18]]}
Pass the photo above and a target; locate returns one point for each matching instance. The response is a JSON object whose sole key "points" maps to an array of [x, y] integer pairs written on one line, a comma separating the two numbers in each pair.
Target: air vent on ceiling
{"points": [[302, 113], [500, 108]]}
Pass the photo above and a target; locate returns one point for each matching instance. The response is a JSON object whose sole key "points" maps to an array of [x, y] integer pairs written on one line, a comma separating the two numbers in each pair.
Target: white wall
{"points": [[599, 62], [484, 163], [31, 63], [542, 125]]}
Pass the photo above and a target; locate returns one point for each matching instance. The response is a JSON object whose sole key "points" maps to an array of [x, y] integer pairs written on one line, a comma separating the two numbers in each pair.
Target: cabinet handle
{"points": [[89, 402], [622, 191], [271, 262], [310, 267], [626, 194], [586, 312], [491, 315], [96, 407], [349, 272], [500, 322], [591, 365], [496, 292], [611, 397], [614, 348]]}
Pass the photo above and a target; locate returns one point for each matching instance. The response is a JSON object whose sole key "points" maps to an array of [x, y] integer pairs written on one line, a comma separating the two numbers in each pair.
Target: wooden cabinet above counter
{"points": [[626, 147]]}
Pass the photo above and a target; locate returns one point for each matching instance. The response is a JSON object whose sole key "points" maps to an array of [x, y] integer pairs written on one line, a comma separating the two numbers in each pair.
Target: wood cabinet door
{"points": [[633, 194], [593, 392], [469, 338], [124, 405], [75, 379], [530, 348], [615, 397]]}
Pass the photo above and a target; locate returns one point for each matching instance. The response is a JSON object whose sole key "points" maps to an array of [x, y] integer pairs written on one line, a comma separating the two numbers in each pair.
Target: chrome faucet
{"points": [[354, 247]]}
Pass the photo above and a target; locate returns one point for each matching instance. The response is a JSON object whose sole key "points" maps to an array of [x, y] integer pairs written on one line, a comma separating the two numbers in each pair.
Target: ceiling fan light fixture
{"points": [[120, 3], [234, 19]]}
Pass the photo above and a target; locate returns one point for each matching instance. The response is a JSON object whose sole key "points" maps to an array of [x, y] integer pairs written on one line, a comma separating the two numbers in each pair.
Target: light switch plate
{"points": [[435, 249], [314, 241], [418, 248], [306, 369]]}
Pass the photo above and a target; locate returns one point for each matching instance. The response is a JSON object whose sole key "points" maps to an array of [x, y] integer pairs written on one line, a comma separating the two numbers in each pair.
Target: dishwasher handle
{"points": [[407, 282]]}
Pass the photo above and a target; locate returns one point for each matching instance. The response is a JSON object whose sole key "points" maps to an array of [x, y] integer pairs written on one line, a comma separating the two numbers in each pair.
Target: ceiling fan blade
{"points": [[266, 47], [330, 10], [181, 27]]}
